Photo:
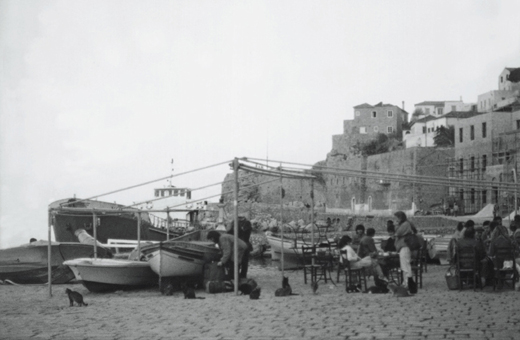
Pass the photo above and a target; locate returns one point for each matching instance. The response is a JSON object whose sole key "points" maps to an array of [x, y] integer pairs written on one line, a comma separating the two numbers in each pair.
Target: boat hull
{"points": [[292, 251], [110, 225], [181, 258], [28, 264], [101, 275]]}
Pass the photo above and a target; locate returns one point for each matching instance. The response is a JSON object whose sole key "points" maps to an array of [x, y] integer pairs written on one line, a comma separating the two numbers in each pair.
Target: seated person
{"points": [[356, 239], [345, 244], [499, 239], [389, 244], [469, 241], [367, 246]]}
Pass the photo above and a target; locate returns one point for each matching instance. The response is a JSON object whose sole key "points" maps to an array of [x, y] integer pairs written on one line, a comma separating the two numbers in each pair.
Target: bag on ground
{"points": [[452, 278]]}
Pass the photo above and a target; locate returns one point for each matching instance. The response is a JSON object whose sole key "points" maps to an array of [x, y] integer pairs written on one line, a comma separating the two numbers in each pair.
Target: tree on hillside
{"points": [[416, 114], [382, 143], [444, 136]]}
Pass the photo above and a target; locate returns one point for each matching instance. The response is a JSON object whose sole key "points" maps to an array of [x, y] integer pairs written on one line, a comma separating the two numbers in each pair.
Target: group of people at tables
{"points": [[361, 252], [486, 239]]}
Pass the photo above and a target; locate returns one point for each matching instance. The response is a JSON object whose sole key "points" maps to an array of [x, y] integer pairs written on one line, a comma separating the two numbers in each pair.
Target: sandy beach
{"points": [[27, 312]]}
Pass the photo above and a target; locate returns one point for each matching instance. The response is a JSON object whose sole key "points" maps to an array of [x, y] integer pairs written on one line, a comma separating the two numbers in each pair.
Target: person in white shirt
{"points": [[349, 254]]}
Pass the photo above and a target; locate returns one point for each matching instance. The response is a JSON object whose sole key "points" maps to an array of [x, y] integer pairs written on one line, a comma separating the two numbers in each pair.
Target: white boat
{"points": [[292, 249], [180, 258], [438, 248], [99, 275]]}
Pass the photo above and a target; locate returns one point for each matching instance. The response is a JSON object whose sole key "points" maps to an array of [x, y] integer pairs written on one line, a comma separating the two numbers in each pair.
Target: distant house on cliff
{"points": [[370, 120], [422, 131]]}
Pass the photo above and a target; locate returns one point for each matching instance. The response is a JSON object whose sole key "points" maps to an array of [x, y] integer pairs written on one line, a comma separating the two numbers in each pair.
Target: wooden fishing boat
{"points": [[113, 221], [28, 263], [292, 249], [181, 258], [104, 275]]}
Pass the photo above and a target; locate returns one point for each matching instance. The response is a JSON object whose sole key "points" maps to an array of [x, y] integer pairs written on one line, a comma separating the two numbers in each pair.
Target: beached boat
{"points": [[102, 275], [114, 221], [292, 249], [28, 263], [438, 248], [181, 258]]}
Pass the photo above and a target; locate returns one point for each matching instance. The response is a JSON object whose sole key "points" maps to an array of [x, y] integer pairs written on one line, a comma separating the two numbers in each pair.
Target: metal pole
{"points": [[167, 224], [235, 240], [312, 211], [49, 250], [139, 235], [516, 183], [281, 224], [94, 226]]}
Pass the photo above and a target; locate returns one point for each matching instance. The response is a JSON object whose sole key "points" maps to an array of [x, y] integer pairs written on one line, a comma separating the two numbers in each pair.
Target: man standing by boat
{"points": [[226, 243], [244, 233]]}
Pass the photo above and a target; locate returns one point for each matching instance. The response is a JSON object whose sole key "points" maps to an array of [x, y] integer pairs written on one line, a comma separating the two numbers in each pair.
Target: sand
{"points": [[434, 313]]}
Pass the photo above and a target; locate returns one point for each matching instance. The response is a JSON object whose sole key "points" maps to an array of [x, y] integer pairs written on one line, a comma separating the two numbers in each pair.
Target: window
{"points": [[472, 163], [472, 196], [440, 111], [484, 130], [460, 135], [484, 162], [427, 111], [390, 114], [363, 129], [501, 79], [376, 128], [453, 108], [424, 129], [472, 132], [484, 196], [374, 114], [461, 194], [390, 129], [461, 165], [518, 124], [358, 113]]}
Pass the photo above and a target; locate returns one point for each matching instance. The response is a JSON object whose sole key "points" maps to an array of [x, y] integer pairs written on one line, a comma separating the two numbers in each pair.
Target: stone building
{"points": [[371, 120]]}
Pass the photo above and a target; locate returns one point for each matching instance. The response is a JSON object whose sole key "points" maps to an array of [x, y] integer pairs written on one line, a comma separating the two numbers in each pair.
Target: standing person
{"points": [[244, 233], [495, 211], [404, 228], [226, 243], [455, 209]]}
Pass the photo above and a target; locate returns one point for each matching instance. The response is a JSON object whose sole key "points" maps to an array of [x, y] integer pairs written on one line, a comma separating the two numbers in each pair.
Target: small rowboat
{"points": [[101, 275], [180, 258]]}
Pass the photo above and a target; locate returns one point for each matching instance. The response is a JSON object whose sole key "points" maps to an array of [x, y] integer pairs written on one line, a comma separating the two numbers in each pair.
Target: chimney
{"points": [[403, 105]]}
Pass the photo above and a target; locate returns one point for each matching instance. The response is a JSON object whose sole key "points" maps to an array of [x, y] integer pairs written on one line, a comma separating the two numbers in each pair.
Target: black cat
{"points": [[353, 288], [381, 287], [314, 286], [255, 294], [169, 289], [189, 293], [286, 289], [75, 297]]}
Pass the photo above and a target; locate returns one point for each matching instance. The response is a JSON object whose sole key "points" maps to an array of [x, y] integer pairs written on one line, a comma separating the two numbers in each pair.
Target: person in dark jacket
{"points": [[226, 243], [244, 233]]}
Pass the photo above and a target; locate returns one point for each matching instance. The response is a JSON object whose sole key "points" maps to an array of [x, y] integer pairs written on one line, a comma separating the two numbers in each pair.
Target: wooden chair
{"points": [[317, 263], [467, 267], [503, 275], [353, 276]]}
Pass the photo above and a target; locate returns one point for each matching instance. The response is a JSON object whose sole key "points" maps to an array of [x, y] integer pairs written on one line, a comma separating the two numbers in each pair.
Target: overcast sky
{"points": [[100, 95]]}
